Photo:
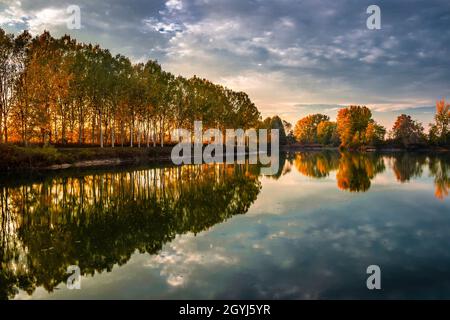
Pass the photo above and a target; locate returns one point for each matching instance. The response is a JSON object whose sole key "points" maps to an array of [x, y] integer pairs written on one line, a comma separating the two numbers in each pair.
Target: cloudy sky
{"points": [[292, 57]]}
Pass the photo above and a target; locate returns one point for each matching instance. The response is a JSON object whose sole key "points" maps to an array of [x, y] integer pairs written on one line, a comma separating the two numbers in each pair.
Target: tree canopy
{"points": [[276, 123], [352, 123], [407, 131], [439, 131], [305, 130], [61, 91]]}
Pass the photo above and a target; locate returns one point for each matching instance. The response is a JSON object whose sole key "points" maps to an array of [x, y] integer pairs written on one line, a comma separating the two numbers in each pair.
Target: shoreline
{"points": [[33, 159], [294, 148], [104, 163]]}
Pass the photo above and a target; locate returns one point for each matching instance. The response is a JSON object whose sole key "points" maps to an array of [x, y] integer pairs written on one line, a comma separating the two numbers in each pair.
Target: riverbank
{"points": [[306, 147], [15, 158], [387, 148]]}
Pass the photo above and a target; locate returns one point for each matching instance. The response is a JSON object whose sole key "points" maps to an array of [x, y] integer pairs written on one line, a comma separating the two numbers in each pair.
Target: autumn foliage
{"points": [[353, 129], [61, 91]]}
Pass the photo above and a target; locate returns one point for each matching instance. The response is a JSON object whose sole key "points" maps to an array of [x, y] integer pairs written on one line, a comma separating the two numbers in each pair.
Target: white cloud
{"points": [[161, 26], [210, 34], [374, 55], [280, 57], [46, 19], [13, 14], [180, 258], [173, 5], [400, 105], [35, 21]]}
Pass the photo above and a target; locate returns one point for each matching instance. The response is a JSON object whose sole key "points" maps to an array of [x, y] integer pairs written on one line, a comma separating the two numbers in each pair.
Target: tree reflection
{"points": [[316, 164], [99, 220], [283, 168], [356, 170], [407, 166], [440, 170]]}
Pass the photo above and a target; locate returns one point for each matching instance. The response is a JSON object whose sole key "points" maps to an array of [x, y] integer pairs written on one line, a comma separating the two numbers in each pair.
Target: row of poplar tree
{"points": [[61, 91]]}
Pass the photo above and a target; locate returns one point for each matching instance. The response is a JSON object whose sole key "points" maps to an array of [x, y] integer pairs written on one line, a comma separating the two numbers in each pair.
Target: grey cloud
{"points": [[322, 49]]}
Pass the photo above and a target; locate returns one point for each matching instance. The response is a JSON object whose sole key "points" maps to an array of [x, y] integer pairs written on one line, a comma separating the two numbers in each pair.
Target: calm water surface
{"points": [[225, 231]]}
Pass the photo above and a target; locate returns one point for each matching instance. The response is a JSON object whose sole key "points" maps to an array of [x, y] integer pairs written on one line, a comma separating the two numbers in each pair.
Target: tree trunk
{"points": [[1, 124], [5, 128], [80, 132], [93, 130], [24, 131], [80, 123], [101, 129], [131, 134], [112, 134], [63, 130], [154, 134], [121, 133], [139, 135], [148, 134], [56, 129], [161, 130]]}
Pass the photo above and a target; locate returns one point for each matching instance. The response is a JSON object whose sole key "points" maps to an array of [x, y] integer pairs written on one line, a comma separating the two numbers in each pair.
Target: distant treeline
{"points": [[60, 91], [355, 129]]}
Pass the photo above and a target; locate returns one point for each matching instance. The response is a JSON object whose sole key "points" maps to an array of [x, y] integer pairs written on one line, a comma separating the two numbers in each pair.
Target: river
{"points": [[226, 231]]}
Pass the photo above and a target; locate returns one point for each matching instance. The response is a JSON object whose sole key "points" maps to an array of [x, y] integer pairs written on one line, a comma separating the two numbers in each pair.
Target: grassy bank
{"points": [[17, 158], [14, 158], [381, 148]]}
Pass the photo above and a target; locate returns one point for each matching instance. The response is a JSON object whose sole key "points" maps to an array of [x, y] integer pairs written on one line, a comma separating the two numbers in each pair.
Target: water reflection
{"points": [[355, 171], [284, 167], [407, 167], [440, 170], [99, 220], [316, 164]]}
